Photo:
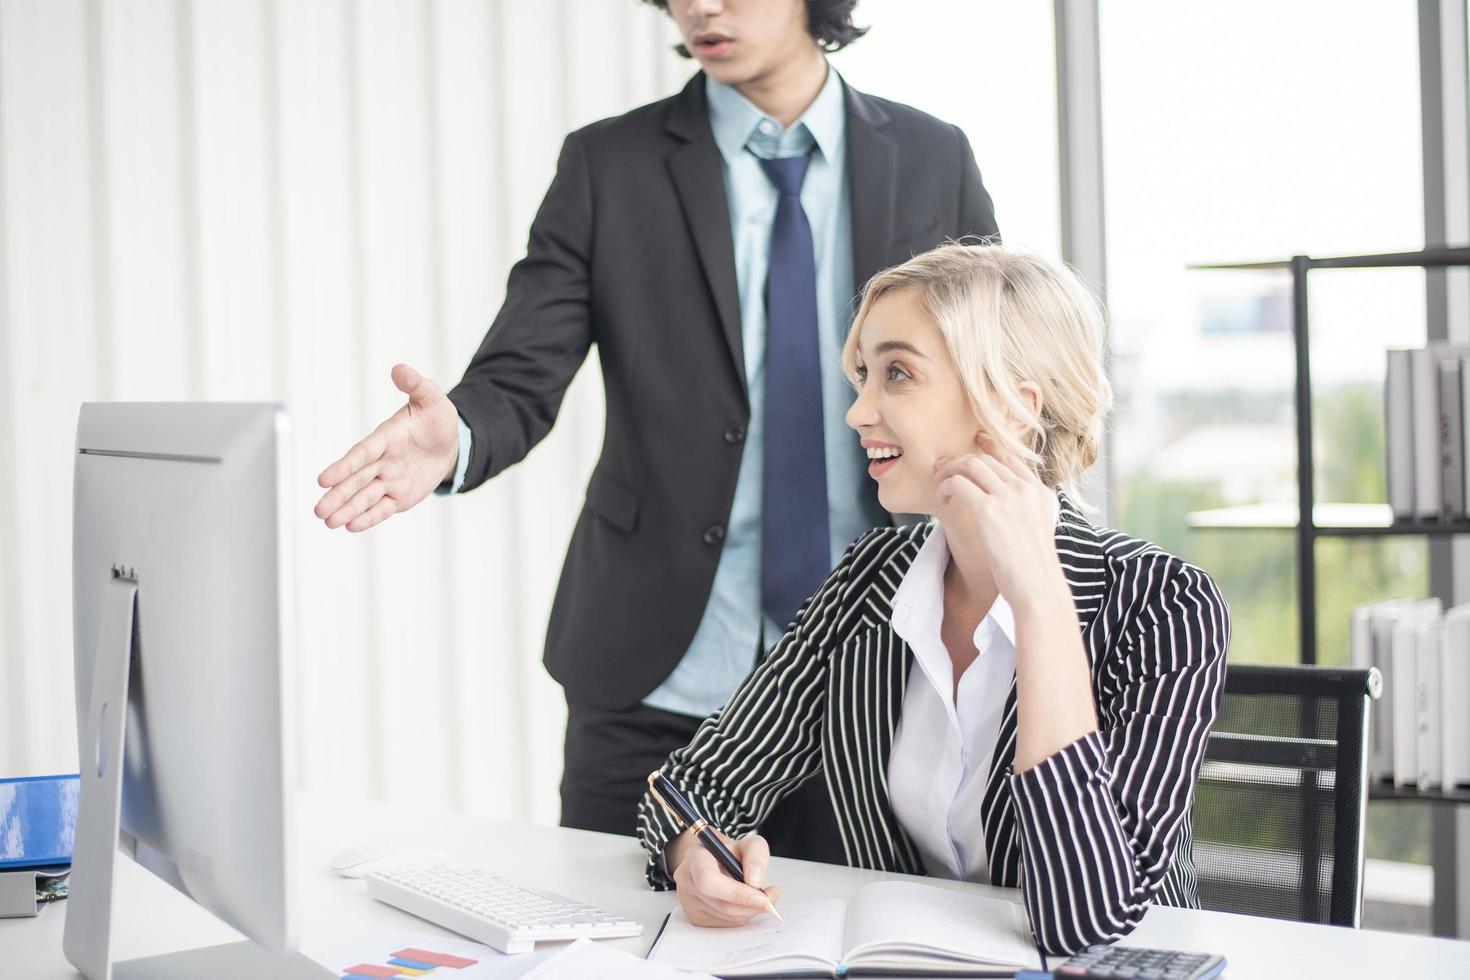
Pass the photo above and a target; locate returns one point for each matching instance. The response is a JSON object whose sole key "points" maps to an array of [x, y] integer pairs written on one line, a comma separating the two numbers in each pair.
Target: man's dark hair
{"points": [[828, 21]]}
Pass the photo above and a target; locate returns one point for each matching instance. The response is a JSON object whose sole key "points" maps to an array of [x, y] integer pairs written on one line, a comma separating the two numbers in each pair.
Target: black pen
{"points": [[687, 818]]}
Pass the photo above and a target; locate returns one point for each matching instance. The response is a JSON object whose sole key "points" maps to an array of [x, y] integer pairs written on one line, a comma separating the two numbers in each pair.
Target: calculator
{"points": [[1139, 963]]}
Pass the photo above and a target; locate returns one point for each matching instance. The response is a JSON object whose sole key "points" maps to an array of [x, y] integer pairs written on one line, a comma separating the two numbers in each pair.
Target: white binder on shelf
{"points": [[1398, 434], [1371, 635], [1462, 437], [1403, 689], [1451, 435], [1425, 400], [1454, 697], [1427, 712]]}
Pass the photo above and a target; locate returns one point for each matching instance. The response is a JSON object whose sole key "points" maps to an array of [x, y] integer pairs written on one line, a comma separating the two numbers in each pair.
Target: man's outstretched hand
{"points": [[399, 463]]}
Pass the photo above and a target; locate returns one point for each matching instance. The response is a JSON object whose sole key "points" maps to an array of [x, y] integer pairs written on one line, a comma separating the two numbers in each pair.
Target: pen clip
{"points": [[663, 802]]}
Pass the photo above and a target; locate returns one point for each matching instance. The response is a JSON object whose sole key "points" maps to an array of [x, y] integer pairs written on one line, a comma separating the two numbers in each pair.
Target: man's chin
{"points": [[726, 72]]}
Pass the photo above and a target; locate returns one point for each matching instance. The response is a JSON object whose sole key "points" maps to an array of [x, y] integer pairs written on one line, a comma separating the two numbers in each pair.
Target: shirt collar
{"points": [[736, 121], [920, 596]]}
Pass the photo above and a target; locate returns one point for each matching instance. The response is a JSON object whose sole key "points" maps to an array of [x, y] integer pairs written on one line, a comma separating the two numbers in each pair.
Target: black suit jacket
{"points": [[632, 250]]}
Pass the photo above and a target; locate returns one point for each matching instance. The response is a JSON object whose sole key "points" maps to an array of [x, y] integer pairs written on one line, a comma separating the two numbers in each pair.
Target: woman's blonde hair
{"points": [[1008, 317]]}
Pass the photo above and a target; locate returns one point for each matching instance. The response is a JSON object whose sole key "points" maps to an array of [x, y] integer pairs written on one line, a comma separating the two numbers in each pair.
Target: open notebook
{"points": [[886, 927]]}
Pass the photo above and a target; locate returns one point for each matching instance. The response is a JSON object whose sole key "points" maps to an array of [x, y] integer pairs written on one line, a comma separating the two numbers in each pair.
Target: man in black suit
{"points": [[710, 245]]}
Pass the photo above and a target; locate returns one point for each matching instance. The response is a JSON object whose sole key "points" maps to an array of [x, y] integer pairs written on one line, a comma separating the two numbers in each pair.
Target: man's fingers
{"points": [[379, 513], [418, 388], [369, 450], [406, 379], [334, 498], [359, 503]]}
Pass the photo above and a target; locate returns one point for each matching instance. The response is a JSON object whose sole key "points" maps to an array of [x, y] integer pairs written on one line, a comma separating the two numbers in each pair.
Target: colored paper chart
{"points": [[402, 955], [407, 962]]}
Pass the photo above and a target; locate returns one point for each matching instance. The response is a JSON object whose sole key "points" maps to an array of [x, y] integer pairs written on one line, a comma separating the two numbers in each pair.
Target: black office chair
{"points": [[1279, 809]]}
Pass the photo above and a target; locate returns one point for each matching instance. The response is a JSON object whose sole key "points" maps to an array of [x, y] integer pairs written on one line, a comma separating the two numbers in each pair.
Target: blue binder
{"points": [[38, 820]]}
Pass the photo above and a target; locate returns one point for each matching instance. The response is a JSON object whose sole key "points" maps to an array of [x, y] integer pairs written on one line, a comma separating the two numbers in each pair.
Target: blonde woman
{"points": [[1005, 694]]}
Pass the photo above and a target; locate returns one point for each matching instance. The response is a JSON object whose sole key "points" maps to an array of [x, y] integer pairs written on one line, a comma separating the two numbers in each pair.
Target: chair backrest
{"points": [[1282, 794]]}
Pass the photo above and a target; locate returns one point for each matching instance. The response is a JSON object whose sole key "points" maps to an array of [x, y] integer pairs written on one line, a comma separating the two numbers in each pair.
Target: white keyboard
{"points": [[494, 910]]}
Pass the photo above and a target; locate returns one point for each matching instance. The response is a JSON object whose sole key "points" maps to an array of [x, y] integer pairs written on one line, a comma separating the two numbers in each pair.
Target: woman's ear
{"points": [[1030, 396]]}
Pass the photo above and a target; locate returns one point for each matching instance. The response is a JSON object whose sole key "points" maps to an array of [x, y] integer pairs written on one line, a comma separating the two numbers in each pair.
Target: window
{"points": [[1247, 131], [989, 67]]}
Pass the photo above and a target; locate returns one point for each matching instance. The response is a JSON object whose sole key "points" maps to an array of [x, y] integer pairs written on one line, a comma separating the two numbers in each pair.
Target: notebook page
{"points": [[809, 939], [589, 960], [936, 924]]}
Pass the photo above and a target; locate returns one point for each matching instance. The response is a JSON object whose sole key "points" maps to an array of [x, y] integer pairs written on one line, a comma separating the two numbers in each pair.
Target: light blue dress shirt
{"points": [[733, 628]]}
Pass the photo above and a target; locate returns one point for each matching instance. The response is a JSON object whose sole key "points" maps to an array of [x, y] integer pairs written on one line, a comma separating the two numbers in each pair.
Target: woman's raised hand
{"points": [[993, 500]]}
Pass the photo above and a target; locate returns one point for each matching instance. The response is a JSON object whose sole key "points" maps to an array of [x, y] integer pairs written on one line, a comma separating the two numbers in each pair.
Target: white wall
{"points": [[278, 200]]}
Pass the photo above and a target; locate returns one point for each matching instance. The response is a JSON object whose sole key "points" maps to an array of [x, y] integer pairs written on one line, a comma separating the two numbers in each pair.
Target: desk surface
{"points": [[151, 918]]}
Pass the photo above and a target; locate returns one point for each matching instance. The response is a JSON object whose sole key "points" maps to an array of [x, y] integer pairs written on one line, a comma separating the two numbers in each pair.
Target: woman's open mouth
{"points": [[881, 459]]}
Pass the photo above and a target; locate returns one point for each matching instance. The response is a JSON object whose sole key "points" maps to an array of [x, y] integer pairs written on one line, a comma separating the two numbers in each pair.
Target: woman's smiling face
{"points": [[911, 408]]}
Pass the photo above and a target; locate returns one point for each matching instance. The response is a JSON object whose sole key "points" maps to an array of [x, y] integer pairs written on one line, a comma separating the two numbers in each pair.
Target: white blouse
{"points": [[944, 742]]}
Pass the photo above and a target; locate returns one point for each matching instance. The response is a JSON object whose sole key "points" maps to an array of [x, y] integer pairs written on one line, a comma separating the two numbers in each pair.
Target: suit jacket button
{"points": [[735, 434], [714, 534]]}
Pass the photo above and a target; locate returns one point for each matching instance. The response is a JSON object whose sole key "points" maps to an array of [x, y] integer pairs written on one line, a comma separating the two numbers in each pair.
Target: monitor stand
{"points": [[232, 961], [87, 939]]}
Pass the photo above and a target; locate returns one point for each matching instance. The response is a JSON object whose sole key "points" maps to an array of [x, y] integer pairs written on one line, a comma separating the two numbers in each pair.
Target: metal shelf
{"points": [[1388, 791], [1306, 534], [1328, 520], [1429, 258]]}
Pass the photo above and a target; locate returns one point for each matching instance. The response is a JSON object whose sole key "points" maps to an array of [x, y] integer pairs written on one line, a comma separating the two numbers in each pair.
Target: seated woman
{"points": [[1006, 694]]}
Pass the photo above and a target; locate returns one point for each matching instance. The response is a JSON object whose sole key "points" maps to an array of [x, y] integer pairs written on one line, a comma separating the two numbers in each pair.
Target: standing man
{"points": [[711, 245]]}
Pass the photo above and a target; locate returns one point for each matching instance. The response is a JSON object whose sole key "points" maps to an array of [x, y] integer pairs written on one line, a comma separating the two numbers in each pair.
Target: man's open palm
{"points": [[400, 462]]}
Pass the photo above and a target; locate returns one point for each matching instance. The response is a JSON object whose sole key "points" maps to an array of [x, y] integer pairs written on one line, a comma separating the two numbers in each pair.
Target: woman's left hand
{"points": [[993, 501]]}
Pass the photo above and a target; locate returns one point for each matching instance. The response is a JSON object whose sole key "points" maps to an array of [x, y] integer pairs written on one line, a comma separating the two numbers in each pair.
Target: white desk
{"points": [[151, 918]]}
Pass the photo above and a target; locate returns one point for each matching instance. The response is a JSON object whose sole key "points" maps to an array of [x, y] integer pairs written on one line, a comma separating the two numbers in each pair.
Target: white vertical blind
{"points": [[57, 351], [272, 200]]}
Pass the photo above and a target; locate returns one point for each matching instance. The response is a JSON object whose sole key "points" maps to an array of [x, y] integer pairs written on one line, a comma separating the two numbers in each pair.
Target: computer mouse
{"points": [[359, 861]]}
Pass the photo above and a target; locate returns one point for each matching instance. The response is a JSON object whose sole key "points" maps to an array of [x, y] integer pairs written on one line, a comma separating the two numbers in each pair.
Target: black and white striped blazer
{"points": [[1092, 835]]}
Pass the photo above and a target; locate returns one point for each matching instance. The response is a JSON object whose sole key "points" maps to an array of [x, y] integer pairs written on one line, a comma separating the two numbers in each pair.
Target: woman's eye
{"points": [[896, 373]]}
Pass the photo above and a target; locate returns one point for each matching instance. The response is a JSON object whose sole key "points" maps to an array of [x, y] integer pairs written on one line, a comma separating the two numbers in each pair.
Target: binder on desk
{"points": [[25, 892], [38, 823]]}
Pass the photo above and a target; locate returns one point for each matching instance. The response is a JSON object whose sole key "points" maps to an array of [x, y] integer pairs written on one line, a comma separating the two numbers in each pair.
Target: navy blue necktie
{"points": [[795, 550]]}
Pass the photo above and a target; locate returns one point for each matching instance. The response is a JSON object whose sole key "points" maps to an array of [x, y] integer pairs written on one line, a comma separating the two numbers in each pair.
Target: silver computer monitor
{"points": [[183, 619]]}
